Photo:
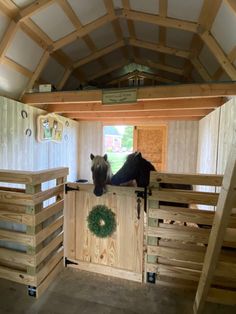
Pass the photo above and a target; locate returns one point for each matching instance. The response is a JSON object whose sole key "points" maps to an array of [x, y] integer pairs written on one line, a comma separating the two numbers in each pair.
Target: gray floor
{"points": [[82, 292]]}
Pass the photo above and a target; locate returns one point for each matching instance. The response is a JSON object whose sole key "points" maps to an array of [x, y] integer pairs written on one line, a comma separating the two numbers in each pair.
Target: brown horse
{"points": [[101, 173]]}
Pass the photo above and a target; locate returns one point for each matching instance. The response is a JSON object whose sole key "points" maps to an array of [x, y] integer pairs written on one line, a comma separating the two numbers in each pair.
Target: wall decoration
{"points": [[49, 128], [101, 221]]}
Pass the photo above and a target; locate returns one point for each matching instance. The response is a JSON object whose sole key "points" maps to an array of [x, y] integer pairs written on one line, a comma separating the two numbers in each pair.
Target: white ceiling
{"points": [[22, 48]]}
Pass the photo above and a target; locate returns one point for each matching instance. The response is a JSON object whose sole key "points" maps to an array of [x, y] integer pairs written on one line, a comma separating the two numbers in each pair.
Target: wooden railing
{"points": [[176, 244], [31, 227]]}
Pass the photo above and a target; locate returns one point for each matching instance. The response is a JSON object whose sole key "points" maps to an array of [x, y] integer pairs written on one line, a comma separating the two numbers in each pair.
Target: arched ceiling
{"points": [[103, 43]]}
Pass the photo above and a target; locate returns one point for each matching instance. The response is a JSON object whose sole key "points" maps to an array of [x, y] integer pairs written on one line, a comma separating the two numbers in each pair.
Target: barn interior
{"points": [[165, 67]]}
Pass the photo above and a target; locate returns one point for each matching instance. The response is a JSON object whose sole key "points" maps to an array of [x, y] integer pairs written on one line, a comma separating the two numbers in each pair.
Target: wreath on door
{"points": [[101, 221]]}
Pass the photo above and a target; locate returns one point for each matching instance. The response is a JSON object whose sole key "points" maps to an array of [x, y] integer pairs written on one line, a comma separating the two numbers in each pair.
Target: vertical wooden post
{"points": [[227, 200]]}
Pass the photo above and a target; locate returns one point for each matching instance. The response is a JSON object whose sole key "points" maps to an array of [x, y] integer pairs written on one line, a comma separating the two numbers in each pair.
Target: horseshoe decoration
{"points": [[28, 132], [24, 114]]}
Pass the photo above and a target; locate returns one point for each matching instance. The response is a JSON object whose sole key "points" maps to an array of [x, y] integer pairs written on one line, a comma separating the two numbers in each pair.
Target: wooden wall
{"points": [[21, 152], [90, 141], [182, 148], [217, 131]]}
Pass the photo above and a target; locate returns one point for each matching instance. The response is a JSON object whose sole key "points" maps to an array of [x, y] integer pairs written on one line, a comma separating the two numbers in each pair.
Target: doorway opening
{"points": [[118, 143]]}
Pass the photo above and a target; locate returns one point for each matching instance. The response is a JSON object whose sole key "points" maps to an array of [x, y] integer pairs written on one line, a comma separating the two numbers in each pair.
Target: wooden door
{"points": [[152, 143], [120, 255]]}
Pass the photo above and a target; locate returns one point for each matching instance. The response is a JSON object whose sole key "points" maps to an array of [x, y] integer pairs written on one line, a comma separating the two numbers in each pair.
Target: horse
{"points": [[138, 169], [101, 173]]}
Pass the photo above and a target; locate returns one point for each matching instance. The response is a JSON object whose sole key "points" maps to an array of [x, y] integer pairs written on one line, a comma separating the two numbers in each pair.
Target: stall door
{"points": [[152, 143], [120, 255]]}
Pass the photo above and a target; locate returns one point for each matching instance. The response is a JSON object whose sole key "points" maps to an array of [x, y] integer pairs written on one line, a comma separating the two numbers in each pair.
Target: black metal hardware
{"points": [[68, 262], [69, 188], [151, 277], [32, 291]]}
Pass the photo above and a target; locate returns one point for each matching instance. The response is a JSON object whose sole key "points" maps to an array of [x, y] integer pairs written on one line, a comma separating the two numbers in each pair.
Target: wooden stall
{"points": [[121, 254], [177, 237], [31, 227]]}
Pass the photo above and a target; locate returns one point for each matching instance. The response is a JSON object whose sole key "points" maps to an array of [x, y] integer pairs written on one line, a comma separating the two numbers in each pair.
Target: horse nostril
{"points": [[97, 192]]}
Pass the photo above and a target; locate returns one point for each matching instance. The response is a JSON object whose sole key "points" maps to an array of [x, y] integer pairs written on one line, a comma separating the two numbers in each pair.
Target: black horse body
{"points": [[137, 168]]}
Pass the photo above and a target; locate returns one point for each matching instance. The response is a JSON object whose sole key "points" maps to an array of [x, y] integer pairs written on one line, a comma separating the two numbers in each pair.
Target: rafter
{"points": [[99, 53], [33, 8], [160, 66], [201, 69], [163, 4], [108, 70], [232, 4], [116, 25], [7, 38], [159, 48], [161, 21], [9, 8], [64, 79], [153, 76], [219, 54], [69, 12], [16, 66], [82, 31], [207, 16], [43, 61]]}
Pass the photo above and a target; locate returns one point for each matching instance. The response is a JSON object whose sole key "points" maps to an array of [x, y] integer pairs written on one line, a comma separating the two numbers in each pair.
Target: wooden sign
{"points": [[119, 96], [49, 128]]}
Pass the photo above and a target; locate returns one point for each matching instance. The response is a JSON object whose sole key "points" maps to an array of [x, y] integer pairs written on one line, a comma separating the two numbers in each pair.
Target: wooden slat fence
{"points": [[177, 237], [31, 227]]}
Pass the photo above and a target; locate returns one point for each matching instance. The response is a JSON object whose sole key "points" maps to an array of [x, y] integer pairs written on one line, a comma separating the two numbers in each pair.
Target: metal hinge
{"points": [[69, 188], [68, 262]]}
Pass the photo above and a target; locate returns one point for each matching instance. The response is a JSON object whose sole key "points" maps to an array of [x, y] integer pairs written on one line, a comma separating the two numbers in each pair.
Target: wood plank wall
{"points": [[217, 131], [182, 146], [21, 152], [90, 141]]}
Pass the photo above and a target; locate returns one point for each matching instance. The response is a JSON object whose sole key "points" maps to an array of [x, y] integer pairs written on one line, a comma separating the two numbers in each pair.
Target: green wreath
{"points": [[101, 221]]}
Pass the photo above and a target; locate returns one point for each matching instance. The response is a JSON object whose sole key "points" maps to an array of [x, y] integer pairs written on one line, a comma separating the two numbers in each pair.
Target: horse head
{"points": [[135, 168], [101, 173]]}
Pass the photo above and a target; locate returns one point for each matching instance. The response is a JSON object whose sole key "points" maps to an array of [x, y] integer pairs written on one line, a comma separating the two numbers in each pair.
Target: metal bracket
{"points": [[68, 188], [68, 262], [32, 291]]}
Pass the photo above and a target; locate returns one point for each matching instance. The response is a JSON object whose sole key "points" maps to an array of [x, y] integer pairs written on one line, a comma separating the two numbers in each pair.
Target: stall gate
{"points": [[121, 254]]}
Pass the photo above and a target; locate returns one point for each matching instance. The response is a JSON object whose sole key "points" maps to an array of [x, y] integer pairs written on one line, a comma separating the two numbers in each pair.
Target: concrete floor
{"points": [[86, 293]]}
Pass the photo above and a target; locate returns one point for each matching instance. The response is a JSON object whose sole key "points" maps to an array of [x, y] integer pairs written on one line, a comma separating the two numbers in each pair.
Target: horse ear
{"points": [[105, 157], [91, 156], [138, 154]]}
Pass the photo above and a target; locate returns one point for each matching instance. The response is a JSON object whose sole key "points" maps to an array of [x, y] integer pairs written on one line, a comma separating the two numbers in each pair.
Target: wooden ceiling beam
{"points": [[107, 70], [141, 121], [99, 53], [201, 69], [43, 61], [116, 25], [158, 20], [70, 13], [219, 54], [180, 91], [232, 5], [163, 67], [139, 114], [14, 65], [64, 79], [33, 8], [138, 73], [83, 31], [7, 38], [159, 48], [163, 5], [9, 8], [154, 105], [131, 28], [207, 16]]}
